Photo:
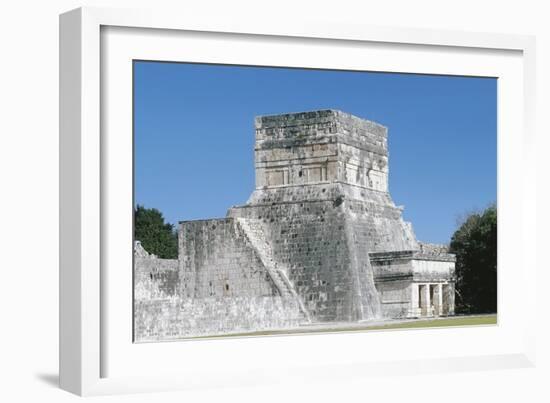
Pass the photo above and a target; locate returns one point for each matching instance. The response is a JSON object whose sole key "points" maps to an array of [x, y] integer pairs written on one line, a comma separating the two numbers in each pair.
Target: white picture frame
{"points": [[96, 356]]}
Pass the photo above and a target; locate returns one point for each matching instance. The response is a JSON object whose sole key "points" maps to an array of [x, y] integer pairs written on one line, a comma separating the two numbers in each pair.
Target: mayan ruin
{"points": [[319, 240]]}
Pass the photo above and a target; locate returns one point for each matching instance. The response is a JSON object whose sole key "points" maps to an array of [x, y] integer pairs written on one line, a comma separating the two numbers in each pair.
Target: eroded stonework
{"points": [[319, 240]]}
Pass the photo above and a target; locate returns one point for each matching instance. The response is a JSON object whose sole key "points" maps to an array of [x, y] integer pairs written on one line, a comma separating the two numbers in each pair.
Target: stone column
{"points": [[451, 299], [414, 310], [424, 295], [438, 299], [427, 300]]}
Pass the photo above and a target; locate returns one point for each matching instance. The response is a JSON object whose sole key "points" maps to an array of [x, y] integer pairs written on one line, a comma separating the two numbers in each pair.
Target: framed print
{"points": [[228, 201]]}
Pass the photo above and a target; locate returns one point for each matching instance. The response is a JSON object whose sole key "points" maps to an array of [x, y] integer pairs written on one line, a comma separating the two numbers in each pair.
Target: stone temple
{"points": [[318, 241]]}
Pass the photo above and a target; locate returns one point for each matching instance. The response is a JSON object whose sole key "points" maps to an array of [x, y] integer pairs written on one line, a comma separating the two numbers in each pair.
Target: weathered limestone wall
{"points": [[430, 270], [320, 146], [153, 277], [433, 263], [410, 282], [319, 240], [395, 298], [220, 286], [324, 240], [393, 276], [173, 318], [322, 196], [309, 239], [217, 260]]}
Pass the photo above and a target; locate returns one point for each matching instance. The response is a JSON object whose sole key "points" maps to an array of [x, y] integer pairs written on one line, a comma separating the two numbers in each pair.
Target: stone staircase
{"points": [[256, 236]]}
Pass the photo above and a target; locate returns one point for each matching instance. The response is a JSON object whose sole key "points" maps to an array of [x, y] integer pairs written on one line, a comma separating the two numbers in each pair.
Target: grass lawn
{"points": [[473, 320], [455, 321]]}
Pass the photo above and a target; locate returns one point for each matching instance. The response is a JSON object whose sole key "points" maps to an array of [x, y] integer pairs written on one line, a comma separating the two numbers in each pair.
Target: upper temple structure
{"points": [[319, 240]]}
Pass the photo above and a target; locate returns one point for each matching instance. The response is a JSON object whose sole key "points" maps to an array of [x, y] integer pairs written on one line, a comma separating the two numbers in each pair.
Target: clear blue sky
{"points": [[194, 135]]}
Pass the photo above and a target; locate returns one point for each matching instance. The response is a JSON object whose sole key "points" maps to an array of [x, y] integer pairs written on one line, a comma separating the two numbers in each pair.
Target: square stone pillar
{"points": [[451, 299], [414, 309], [428, 302], [438, 299], [425, 303]]}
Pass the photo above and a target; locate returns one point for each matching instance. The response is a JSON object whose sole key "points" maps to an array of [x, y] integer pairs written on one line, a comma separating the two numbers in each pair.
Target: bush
{"points": [[156, 236], [475, 246]]}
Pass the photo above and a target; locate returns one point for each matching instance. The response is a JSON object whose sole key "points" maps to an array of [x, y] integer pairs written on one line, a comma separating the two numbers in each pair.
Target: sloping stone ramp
{"points": [[253, 229]]}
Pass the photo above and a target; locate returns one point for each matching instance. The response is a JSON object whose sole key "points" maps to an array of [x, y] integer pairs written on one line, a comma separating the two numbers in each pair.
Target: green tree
{"points": [[475, 246], [155, 235]]}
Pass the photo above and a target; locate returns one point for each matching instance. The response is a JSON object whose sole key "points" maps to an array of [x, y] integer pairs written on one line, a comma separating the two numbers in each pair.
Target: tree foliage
{"points": [[475, 246], [156, 236]]}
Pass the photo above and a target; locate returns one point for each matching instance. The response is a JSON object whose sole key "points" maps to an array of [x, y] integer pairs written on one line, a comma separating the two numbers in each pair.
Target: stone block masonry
{"points": [[168, 319], [217, 260], [154, 277], [319, 240], [221, 285]]}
